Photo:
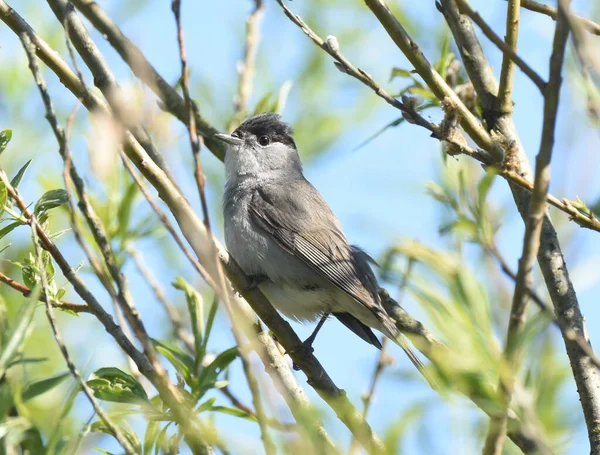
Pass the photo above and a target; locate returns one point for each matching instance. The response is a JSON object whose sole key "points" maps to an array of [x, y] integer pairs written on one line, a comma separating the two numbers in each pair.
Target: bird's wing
{"points": [[309, 230]]}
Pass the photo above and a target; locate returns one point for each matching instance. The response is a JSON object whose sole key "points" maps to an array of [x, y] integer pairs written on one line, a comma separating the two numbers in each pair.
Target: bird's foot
{"points": [[303, 350]]}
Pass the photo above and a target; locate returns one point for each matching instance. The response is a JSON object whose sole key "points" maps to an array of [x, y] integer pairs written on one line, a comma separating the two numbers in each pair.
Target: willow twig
{"points": [[497, 430], [62, 305]]}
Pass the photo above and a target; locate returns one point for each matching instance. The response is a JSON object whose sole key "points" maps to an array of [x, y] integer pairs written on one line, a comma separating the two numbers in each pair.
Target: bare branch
{"points": [[431, 77], [505, 103], [550, 11], [142, 68], [533, 227], [247, 67], [509, 50], [74, 307]]}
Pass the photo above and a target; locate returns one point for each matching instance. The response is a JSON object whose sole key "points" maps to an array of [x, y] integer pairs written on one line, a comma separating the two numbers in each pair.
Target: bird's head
{"points": [[263, 147]]}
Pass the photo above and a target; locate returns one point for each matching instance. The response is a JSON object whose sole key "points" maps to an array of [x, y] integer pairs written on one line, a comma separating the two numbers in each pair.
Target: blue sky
{"points": [[377, 191]]}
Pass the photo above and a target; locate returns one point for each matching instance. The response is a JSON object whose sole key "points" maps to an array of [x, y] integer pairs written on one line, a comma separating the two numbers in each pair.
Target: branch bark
{"points": [[537, 210]]}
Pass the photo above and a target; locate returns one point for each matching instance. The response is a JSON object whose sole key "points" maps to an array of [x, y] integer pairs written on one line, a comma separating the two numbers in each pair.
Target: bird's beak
{"points": [[229, 139]]}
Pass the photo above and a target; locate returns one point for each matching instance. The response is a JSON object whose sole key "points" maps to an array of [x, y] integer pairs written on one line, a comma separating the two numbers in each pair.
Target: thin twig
{"points": [[166, 223], [546, 309], [432, 78], [222, 290], [62, 305], [141, 67], [551, 12], [182, 334], [247, 67], [88, 392], [497, 430], [508, 48], [507, 73]]}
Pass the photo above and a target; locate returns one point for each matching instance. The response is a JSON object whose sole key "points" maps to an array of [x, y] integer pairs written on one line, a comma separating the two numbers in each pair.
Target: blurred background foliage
{"points": [[395, 191]]}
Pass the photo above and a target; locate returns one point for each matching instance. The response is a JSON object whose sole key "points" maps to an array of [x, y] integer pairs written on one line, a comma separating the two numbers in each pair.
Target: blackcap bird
{"points": [[285, 237]]}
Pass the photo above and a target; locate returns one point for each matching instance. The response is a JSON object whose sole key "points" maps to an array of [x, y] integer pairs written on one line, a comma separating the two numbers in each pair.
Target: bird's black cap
{"points": [[267, 124]]}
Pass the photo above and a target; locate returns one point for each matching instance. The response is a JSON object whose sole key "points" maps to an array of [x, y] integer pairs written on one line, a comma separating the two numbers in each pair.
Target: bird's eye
{"points": [[264, 140]]}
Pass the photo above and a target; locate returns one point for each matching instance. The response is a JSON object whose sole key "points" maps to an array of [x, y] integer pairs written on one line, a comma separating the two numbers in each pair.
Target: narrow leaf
{"points": [[19, 335], [39, 387], [234, 412], [17, 178]]}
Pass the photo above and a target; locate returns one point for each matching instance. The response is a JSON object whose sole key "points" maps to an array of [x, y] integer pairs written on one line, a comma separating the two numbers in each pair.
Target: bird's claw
{"points": [[303, 350]]}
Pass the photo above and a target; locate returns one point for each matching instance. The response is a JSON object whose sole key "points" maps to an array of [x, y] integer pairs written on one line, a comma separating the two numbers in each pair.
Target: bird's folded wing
{"points": [[308, 229]]}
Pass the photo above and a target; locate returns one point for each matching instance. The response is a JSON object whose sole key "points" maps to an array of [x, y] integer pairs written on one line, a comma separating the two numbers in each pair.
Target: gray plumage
{"points": [[278, 226]]}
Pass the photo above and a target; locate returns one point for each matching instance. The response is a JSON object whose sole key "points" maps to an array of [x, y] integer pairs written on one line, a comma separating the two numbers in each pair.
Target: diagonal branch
{"points": [[552, 12], [143, 69], [19, 287]]}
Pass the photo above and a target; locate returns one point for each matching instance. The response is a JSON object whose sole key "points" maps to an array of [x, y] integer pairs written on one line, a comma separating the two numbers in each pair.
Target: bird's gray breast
{"points": [[254, 249]]}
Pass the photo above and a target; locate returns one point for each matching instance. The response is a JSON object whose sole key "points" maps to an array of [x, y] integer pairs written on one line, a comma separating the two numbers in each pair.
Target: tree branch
{"points": [[74, 307], [505, 103], [247, 67], [537, 208], [141, 67], [509, 49], [551, 12]]}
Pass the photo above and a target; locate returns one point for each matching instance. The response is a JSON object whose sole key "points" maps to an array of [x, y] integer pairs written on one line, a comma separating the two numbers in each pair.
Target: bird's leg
{"points": [[254, 281], [307, 348]]}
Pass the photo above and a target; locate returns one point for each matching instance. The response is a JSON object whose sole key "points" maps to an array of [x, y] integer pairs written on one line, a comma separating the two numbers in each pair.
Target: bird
{"points": [[286, 238]]}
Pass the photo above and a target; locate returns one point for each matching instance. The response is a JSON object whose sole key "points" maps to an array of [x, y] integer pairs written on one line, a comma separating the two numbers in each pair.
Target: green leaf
{"points": [[393, 123], [206, 405], [263, 104], [17, 178], [399, 72], [9, 228], [161, 440], [484, 186], [113, 384], [5, 137], [27, 360], [150, 436], [3, 197], [17, 339], [51, 199], [55, 438], [234, 412], [39, 387], [209, 323], [125, 208], [209, 374], [195, 305], [183, 363]]}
